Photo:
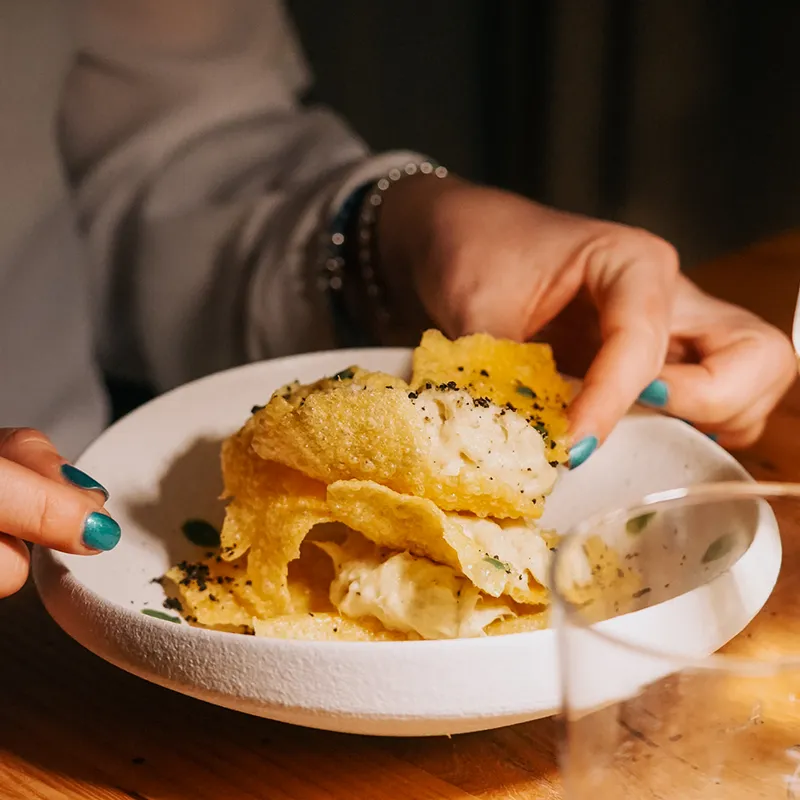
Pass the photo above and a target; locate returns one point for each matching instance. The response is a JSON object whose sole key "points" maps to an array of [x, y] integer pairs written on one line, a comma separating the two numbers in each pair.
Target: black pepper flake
{"points": [[213, 598], [484, 373], [256, 409], [460, 369], [483, 402], [412, 395], [429, 386], [248, 583], [553, 463], [390, 387], [510, 407], [173, 604], [442, 387], [452, 385], [552, 444]]}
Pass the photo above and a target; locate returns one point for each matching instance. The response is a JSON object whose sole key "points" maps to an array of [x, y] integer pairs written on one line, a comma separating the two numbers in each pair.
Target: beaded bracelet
{"points": [[367, 199]]}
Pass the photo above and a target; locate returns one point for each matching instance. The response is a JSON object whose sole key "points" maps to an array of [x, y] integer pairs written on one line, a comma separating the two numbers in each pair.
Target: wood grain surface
{"points": [[72, 726]]}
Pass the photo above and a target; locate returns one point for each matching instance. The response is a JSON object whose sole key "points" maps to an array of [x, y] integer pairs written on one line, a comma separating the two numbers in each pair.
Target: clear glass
{"points": [[679, 633]]}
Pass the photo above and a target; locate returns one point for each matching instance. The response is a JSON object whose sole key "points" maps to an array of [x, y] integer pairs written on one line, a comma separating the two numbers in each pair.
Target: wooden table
{"points": [[72, 726]]}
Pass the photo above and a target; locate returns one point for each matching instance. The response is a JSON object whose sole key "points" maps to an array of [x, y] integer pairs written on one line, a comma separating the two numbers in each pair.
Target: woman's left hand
{"points": [[481, 259]]}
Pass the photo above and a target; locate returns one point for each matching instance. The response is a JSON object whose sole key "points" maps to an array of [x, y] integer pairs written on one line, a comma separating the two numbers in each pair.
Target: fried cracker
{"points": [[498, 560], [524, 376]]}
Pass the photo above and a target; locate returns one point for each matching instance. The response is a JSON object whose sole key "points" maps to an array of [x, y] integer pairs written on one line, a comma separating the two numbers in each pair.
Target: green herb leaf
{"points": [[151, 612], [718, 548], [524, 390], [201, 533], [638, 524], [496, 562], [344, 375]]}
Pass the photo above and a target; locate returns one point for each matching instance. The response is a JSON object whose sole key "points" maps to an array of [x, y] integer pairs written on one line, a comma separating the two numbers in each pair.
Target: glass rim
{"points": [[673, 498]]}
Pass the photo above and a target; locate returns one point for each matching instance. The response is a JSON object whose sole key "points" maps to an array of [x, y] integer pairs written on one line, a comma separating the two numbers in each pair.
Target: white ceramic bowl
{"points": [[161, 467]]}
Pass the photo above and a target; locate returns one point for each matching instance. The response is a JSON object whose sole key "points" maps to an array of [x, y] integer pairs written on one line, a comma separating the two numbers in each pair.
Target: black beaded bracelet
{"points": [[366, 200]]}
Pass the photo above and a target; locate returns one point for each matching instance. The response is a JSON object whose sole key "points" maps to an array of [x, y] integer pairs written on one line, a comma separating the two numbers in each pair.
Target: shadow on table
{"points": [[74, 722]]}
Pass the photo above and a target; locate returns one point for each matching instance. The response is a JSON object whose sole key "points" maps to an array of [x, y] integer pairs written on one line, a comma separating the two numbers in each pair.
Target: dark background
{"points": [[682, 116]]}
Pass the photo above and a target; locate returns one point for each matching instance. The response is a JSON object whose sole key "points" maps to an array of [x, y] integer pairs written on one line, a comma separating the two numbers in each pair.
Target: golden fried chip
{"points": [[309, 580], [599, 580], [286, 523], [506, 557], [214, 593], [408, 594], [440, 443], [270, 511], [535, 619], [523, 376], [327, 627]]}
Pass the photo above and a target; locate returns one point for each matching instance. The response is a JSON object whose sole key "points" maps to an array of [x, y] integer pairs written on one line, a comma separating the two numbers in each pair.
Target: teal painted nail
{"points": [[656, 394], [80, 479], [100, 532], [582, 450]]}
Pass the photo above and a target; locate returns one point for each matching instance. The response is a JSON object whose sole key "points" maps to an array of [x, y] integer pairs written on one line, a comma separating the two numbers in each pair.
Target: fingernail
{"points": [[582, 450], [100, 532], [656, 394], [80, 479]]}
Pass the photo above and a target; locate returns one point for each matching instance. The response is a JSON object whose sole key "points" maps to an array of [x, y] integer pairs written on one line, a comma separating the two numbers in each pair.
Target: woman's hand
{"points": [[45, 501], [487, 260]]}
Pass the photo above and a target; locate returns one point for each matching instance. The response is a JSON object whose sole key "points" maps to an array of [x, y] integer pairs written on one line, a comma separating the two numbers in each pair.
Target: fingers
{"points": [[40, 510], [48, 502], [32, 449], [742, 376], [634, 300], [14, 563]]}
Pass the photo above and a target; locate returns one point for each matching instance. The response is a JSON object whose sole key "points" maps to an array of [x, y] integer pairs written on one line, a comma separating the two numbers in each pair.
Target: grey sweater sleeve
{"points": [[201, 183]]}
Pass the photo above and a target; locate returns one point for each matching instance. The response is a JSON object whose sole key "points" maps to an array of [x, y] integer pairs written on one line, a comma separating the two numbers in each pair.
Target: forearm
{"points": [[203, 188]]}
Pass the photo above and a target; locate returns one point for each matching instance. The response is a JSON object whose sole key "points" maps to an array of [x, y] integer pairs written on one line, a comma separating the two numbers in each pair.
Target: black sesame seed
{"points": [[173, 604]]}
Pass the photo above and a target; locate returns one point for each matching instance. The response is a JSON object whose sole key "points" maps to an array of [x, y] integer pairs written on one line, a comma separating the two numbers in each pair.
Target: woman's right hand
{"points": [[44, 500]]}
